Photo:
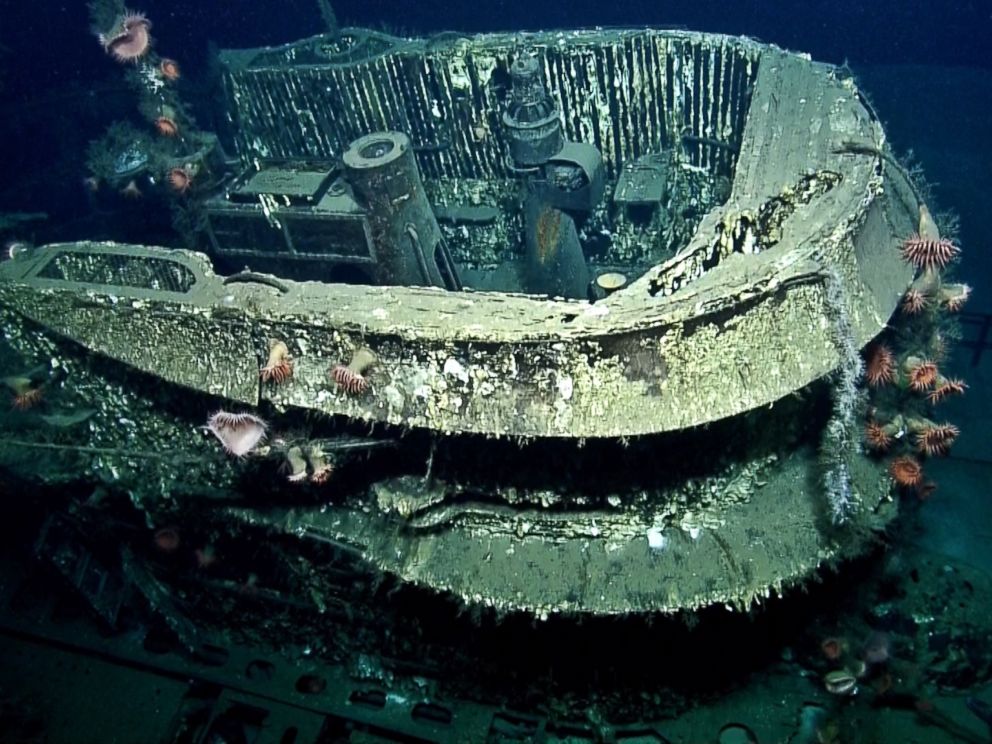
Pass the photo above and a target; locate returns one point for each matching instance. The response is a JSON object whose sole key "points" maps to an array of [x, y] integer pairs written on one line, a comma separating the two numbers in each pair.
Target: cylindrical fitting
{"points": [[406, 237], [531, 117]]}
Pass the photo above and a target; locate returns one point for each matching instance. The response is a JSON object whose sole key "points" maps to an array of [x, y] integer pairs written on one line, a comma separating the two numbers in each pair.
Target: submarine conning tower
{"points": [[675, 442]]}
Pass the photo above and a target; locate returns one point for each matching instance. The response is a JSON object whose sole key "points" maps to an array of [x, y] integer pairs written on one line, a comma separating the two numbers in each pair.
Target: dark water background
{"points": [[48, 44], [58, 89]]}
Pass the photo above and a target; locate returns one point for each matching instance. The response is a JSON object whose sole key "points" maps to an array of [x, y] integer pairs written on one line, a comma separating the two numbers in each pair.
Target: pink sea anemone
{"points": [[239, 433], [351, 377], [348, 380], [833, 648], [169, 69], [131, 191], [279, 366], [167, 540], [953, 296], [166, 126], [129, 40], [914, 301]]}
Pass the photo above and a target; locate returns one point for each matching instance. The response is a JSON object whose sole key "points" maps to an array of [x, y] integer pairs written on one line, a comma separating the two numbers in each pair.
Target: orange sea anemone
{"points": [[180, 179], [876, 437], [279, 366], [321, 468], [169, 69], [167, 540], [27, 399], [881, 368], [944, 388], [906, 472], [936, 440], [914, 301], [929, 254], [26, 393], [921, 374], [129, 41], [322, 475], [166, 126]]}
